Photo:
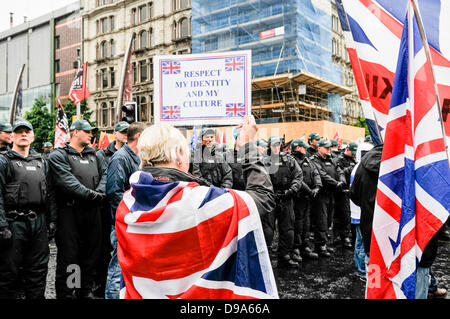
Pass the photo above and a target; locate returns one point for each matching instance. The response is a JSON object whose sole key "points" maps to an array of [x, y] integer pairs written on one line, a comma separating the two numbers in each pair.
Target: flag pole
{"points": [[122, 80], [12, 114], [423, 36]]}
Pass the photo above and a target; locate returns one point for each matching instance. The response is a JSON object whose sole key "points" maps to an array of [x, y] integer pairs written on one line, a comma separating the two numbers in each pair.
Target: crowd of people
{"points": [[71, 193]]}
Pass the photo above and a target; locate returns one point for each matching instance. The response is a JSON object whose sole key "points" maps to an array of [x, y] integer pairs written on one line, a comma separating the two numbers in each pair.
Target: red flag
{"points": [[224, 138], [337, 138], [62, 133], [104, 142], [79, 91]]}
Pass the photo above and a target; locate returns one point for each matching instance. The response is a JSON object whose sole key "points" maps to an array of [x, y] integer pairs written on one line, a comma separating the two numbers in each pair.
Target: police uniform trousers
{"points": [[321, 217], [341, 219], [302, 224], [283, 215], [24, 262], [79, 242]]}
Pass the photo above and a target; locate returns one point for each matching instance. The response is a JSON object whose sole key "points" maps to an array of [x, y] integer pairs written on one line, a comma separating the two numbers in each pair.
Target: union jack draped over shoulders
{"points": [[183, 240]]}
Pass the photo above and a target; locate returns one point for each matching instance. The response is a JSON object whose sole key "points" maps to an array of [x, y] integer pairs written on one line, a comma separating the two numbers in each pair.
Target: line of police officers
{"points": [[63, 196], [311, 185], [58, 195]]}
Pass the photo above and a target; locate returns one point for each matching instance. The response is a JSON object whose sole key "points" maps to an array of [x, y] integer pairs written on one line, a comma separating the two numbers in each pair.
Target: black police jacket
{"points": [[107, 152], [211, 165], [346, 164], [75, 174], [26, 183], [311, 176], [330, 174], [285, 173]]}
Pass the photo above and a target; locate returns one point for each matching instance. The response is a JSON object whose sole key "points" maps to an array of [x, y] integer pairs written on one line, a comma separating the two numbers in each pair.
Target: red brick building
{"points": [[67, 43]]}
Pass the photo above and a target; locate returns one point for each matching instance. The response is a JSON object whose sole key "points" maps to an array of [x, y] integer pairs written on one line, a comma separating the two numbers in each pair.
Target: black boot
{"points": [[323, 251], [286, 261], [295, 256], [346, 243], [309, 254]]}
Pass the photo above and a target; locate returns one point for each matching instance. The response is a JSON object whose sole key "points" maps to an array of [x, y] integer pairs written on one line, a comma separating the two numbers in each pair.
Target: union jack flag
{"points": [[171, 67], [171, 112], [234, 63], [183, 240], [372, 31], [235, 109], [412, 200]]}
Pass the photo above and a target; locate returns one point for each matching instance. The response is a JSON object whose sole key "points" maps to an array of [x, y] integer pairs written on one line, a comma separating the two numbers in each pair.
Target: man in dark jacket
{"points": [[210, 164], [234, 158], [121, 166], [323, 205], [27, 216], [80, 177], [5, 135], [311, 185], [47, 148], [313, 139], [286, 176], [120, 138]]}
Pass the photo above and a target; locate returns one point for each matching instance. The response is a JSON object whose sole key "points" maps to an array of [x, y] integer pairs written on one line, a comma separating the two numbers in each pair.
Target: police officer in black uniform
{"points": [[313, 139], [334, 150], [323, 205], [311, 185], [80, 177], [5, 136], [286, 177], [210, 164], [27, 217], [47, 147], [341, 223]]}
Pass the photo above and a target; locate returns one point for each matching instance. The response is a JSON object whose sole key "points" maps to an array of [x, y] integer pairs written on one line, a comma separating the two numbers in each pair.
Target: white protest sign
{"points": [[198, 89]]}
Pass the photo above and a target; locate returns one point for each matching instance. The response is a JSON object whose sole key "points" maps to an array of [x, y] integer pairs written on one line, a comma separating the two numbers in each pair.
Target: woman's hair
{"points": [[158, 145]]}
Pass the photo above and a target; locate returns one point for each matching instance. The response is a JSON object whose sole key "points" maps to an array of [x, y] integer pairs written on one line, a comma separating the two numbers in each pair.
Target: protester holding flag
{"points": [[200, 230]]}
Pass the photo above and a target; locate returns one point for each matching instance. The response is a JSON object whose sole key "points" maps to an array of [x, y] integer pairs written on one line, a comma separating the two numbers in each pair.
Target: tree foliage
{"points": [[362, 123], [43, 120]]}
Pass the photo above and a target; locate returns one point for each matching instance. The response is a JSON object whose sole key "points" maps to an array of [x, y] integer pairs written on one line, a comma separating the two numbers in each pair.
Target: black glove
{"points": [[280, 195], [51, 230], [96, 196], [5, 237], [340, 185], [315, 192], [288, 193]]}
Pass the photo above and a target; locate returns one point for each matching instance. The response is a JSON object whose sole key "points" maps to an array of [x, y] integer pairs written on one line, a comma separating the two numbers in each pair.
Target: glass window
{"points": [[113, 113], [104, 49], [142, 13], [184, 27], [57, 42], [112, 23], [112, 76], [150, 10], [152, 39], [57, 66], [133, 16], [104, 78], [151, 68], [112, 49], [104, 22], [104, 120], [134, 73], [134, 41], [143, 39], [184, 4], [143, 71], [175, 35], [143, 108]]}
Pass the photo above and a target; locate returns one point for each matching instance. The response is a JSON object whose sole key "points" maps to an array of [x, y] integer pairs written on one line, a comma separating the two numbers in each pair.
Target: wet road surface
{"points": [[325, 278]]}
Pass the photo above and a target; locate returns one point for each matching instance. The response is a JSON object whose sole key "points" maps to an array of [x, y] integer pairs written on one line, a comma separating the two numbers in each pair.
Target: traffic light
{"points": [[130, 110]]}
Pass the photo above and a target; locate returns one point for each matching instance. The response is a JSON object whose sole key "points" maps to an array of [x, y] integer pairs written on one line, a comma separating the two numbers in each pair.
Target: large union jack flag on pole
{"points": [[372, 31], [413, 195], [183, 240]]}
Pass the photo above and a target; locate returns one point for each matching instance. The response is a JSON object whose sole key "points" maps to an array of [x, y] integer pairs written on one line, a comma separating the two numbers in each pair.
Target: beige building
{"points": [[351, 105], [159, 27]]}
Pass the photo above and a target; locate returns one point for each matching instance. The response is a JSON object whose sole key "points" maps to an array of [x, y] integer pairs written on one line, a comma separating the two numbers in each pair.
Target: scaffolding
{"points": [[290, 42]]}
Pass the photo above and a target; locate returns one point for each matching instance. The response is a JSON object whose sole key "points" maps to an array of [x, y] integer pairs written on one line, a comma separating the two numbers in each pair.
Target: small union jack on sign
{"points": [[235, 109], [234, 63], [171, 112], [170, 67]]}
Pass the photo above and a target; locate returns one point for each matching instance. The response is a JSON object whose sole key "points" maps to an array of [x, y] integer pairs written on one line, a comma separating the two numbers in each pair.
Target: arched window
{"points": [[175, 35], [104, 49], [183, 25], [143, 39], [134, 45]]}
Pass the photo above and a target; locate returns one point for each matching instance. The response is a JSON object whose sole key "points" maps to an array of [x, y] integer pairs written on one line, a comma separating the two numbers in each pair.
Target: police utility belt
{"points": [[21, 214]]}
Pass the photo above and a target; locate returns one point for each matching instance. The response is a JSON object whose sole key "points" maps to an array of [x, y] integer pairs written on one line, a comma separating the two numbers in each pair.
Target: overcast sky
{"points": [[29, 8]]}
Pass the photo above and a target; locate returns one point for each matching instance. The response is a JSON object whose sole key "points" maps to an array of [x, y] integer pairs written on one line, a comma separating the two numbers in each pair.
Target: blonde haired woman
{"points": [[179, 237]]}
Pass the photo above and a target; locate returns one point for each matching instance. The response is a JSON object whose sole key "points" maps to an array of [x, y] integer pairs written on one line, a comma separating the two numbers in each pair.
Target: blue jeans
{"points": [[359, 253], [112, 288], [422, 282]]}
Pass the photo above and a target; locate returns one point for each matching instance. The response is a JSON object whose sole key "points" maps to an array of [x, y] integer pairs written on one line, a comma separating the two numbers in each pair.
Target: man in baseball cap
{"points": [[82, 125], [313, 139], [5, 135]]}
